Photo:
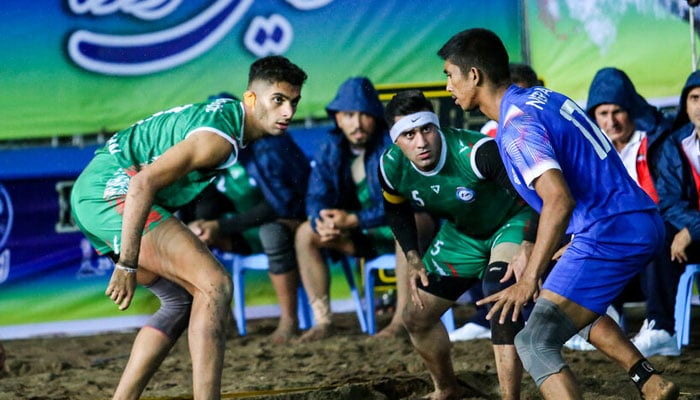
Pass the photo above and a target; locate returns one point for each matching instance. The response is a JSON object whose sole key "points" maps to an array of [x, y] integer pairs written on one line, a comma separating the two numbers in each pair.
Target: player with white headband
{"points": [[456, 175]]}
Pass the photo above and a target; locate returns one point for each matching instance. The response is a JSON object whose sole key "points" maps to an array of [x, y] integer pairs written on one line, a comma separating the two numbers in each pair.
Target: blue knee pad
{"points": [[539, 343], [277, 241], [173, 316], [500, 333]]}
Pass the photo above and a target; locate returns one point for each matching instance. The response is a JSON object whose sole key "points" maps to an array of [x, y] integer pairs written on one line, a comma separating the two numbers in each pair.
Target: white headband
{"points": [[412, 121]]}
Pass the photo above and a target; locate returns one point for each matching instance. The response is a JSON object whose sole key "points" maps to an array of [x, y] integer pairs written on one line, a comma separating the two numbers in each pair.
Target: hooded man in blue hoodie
{"points": [[637, 130], [344, 201], [679, 177], [679, 184], [635, 127]]}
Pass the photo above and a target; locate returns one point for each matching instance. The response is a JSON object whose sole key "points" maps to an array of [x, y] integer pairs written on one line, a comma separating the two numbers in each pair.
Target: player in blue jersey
{"points": [[565, 167]]}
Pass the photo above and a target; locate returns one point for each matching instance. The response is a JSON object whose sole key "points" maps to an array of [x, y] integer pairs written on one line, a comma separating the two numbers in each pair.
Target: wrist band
{"points": [[123, 267]]}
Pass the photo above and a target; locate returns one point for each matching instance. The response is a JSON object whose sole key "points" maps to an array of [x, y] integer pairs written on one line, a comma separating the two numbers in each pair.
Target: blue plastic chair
{"points": [[683, 306], [259, 262], [388, 262], [354, 293]]}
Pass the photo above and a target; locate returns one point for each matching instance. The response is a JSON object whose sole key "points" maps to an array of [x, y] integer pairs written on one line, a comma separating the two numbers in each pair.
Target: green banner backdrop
{"points": [[648, 39], [83, 66]]}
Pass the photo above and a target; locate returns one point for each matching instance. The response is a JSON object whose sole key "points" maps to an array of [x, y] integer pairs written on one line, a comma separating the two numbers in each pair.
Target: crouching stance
{"points": [[564, 167], [124, 202], [458, 176]]}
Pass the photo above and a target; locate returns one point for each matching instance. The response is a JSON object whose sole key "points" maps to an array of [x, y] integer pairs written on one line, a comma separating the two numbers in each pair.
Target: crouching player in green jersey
{"points": [[456, 175], [124, 202]]}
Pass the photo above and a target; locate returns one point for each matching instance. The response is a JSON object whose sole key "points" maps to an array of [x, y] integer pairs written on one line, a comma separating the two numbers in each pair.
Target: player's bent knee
{"points": [[412, 319], [494, 272], [173, 316], [539, 343]]}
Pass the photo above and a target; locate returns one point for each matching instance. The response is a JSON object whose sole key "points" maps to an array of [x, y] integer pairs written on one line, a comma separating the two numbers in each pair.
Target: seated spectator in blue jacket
{"points": [[256, 206], [344, 202], [679, 182], [637, 130]]}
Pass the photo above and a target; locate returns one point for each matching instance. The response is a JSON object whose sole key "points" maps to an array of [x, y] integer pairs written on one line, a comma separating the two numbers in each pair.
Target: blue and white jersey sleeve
{"points": [[532, 153], [540, 130]]}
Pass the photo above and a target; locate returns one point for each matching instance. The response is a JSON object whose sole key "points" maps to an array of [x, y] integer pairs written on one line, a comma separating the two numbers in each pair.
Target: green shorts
{"points": [[452, 253], [97, 204]]}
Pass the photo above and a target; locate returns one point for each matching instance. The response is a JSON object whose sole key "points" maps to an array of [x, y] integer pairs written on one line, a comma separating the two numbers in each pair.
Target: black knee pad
{"points": [[493, 273], [278, 244], [500, 333], [173, 316]]}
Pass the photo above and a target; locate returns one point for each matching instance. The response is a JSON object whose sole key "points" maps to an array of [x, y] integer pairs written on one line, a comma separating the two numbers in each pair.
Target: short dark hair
{"points": [[479, 48], [523, 75], [274, 69], [406, 102]]}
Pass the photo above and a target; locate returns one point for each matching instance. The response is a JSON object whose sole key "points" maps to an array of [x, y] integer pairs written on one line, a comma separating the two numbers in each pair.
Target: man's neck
{"points": [[490, 101], [250, 129]]}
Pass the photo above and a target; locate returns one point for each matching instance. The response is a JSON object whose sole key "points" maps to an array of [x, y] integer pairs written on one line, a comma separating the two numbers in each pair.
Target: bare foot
{"points": [[393, 330], [453, 393], [315, 333], [659, 388], [284, 333]]}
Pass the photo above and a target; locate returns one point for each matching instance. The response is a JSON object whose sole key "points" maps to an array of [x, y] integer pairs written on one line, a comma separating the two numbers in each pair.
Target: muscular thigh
{"points": [[172, 251]]}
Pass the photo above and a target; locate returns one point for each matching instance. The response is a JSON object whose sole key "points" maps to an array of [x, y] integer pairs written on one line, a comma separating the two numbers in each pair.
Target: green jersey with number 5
{"points": [[454, 190]]}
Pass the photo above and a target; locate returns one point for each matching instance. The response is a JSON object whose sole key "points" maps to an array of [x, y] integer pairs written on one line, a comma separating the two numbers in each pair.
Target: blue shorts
{"points": [[601, 260]]}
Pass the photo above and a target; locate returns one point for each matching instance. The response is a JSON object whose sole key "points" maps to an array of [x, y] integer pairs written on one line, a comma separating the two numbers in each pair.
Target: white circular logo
{"points": [[465, 194]]}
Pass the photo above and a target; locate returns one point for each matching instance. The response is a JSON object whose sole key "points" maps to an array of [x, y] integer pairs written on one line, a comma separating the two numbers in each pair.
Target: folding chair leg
{"points": [[239, 297], [304, 310], [369, 300], [448, 320], [355, 294], [683, 304]]}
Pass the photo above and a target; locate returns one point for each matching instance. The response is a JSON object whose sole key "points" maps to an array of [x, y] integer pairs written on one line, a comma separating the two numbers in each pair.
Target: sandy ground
{"points": [[349, 365]]}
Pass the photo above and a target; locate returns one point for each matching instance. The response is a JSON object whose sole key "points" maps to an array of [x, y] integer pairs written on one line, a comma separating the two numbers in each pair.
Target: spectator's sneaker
{"points": [[470, 331], [578, 343], [652, 342]]}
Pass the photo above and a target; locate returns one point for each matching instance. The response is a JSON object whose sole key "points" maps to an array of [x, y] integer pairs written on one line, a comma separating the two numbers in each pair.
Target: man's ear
{"points": [[478, 76], [249, 99]]}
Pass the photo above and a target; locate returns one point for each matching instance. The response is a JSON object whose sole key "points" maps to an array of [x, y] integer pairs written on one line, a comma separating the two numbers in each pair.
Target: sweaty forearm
{"points": [[137, 205]]}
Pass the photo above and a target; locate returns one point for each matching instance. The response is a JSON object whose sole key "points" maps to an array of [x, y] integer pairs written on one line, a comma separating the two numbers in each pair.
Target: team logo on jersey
{"points": [[465, 194], [436, 188]]}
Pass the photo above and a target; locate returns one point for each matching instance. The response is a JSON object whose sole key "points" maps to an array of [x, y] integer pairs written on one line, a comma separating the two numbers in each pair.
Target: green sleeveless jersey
{"points": [[454, 190], [145, 141], [240, 188]]}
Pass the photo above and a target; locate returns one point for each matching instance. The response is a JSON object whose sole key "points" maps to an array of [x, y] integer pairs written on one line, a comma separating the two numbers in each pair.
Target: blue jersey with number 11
{"points": [[540, 130]]}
